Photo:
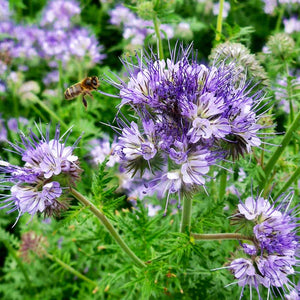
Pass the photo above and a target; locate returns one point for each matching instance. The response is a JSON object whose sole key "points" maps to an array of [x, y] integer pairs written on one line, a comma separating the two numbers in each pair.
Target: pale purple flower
{"points": [[226, 8], [2, 84], [270, 6], [135, 146], [54, 44], [153, 209], [291, 25], [121, 15], [50, 168], [51, 77], [5, 13], [58, 13], [249, 249], [85, 45], [12, 124], [276, 248], [244, 270], [100, 149]]}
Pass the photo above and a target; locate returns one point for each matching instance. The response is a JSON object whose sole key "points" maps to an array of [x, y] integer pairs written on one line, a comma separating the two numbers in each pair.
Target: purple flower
{"points": [[270, 6], [13, 123], [4, 11], [85, 45], [58, 13], [121, 15], [291, 25], [191, 117], [275, 250], [244, 270], [38, 186], [100, 148]]}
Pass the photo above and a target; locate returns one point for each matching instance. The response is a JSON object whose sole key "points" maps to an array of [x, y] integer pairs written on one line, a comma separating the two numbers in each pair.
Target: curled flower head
{"points": [[49, 168], [240, 55], [274, 253], [189, 115]]}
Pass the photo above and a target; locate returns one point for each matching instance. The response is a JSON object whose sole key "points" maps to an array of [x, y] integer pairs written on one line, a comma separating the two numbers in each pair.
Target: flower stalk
{"points": [[285, 141], [219, 21], [223, 183], [221, 236], [186, 215], [108, 226], [158, 38], [290, 181]]}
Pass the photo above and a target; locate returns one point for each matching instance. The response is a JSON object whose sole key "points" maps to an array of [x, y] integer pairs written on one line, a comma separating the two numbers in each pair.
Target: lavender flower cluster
{"points": [[191, 117], [56, 38], [134, 28], [275, 251], [38, 186]]}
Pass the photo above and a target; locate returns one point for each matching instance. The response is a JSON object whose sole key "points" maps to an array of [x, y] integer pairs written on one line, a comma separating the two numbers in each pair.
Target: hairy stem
{"points": [[223, 182], [290, 181], [221, 236], [220, 20], [276, 155], [160, 49], [186, 215], [108, 226]]}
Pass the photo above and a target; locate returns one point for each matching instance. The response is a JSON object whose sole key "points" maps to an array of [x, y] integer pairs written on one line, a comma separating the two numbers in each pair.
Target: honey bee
{"points": [[84, 87]]}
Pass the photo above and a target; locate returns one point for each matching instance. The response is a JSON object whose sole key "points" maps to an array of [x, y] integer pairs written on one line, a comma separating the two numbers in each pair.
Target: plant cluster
{"points": [[180, 179]]}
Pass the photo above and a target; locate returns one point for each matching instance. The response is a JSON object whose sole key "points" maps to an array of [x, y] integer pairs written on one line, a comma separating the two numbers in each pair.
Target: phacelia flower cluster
{"points": [[274, 253], [191, 117], [49, 169]]}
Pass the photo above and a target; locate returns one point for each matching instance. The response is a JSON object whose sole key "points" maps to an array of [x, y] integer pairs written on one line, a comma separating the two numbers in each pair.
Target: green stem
{"points": [[186, 214], [108, 226], [276, 155], [221, 236], [295, 175], [220, 20], [51, 113], [279, 19], [70, 269], [15, 103], [61, 79], [19, 262], [223, 182], [158, 38]]}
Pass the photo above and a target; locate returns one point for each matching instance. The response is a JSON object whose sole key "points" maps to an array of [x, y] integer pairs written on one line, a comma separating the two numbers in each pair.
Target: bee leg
{"points": [[84, 102], [89, 93]]}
